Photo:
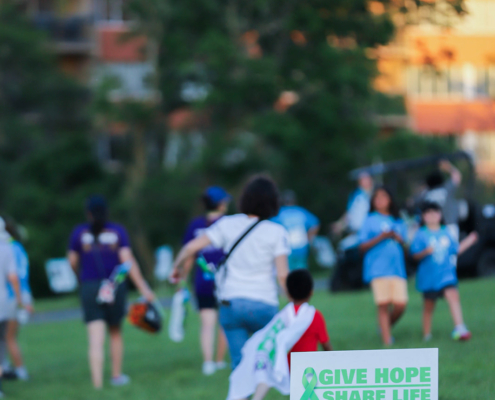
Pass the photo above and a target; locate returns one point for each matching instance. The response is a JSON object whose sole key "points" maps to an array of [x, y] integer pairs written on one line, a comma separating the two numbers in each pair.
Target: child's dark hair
{"points": [[392, 208], [299, 284], [430, 205]]}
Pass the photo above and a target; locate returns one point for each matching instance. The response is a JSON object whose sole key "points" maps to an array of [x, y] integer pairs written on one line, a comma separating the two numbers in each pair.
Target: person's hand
{"points": [[29, 308], [473, 237], [387, 234], [337, 228], [397, 237], [175, 276], [445, 165], [149, 296], [429, 251]]}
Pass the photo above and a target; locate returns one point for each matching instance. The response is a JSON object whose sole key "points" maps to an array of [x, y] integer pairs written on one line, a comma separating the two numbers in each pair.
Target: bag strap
{"points": [[240, 240]]}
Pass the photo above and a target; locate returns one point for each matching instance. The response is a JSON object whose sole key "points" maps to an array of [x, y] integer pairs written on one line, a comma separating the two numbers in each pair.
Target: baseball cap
{"points": [[216, 194]]}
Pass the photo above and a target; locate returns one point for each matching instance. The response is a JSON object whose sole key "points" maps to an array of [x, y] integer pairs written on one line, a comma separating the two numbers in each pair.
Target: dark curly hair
{"points": [[260, 197]]}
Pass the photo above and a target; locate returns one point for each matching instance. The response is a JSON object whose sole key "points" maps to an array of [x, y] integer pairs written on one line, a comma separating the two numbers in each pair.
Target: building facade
{"points": [[445, 68]]}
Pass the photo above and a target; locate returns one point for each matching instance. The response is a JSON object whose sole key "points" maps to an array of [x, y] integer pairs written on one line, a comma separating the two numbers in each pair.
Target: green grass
{"points": [[56, 353]]}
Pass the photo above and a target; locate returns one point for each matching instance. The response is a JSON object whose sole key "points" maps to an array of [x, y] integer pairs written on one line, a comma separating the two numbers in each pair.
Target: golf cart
{"points": [[399, 176]]}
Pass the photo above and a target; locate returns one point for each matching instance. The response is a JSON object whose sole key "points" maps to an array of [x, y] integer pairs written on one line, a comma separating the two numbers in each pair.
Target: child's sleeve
{"points": [[418, 244], [321, 328]]}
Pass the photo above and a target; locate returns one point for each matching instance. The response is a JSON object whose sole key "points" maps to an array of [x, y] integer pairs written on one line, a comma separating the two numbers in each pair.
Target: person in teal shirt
{"points": [[302, 226], [436, 250], [381, 239]]}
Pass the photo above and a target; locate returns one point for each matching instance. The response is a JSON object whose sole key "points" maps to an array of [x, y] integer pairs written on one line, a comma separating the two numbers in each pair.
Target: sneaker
{"points": [[428, 337], [22, 374], [461, 333], [121, 380], [220, 365], [209, 368]]}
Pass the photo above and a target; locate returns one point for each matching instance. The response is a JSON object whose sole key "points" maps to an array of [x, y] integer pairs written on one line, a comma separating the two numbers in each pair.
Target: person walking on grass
{"points": [[216, 201], [96, 248], [436, 250], [18, 371], [8, 274], [298, 328], [302, 226], [257, 251], [382, 240]]}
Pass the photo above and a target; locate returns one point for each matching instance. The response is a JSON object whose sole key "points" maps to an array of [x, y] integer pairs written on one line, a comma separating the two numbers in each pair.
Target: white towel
{"points": [[264, 356]]}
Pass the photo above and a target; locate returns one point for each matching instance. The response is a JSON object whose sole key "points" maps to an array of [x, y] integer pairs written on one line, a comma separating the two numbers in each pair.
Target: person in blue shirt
{"points": [[9, 234], [302, 226], [437, 250], [358, 207], [381, 239]]}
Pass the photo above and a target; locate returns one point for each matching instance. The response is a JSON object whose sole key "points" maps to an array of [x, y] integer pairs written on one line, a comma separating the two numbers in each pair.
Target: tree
{"points": [[46, 160], [288, 84]]}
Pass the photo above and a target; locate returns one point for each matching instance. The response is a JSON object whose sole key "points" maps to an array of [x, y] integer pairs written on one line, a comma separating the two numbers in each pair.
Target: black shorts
{"points": [[437, 294], [205, 302], [112, 314]]}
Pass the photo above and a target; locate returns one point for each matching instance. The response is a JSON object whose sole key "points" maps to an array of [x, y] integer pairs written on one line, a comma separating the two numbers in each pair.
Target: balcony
{"points": [[70, 35]]}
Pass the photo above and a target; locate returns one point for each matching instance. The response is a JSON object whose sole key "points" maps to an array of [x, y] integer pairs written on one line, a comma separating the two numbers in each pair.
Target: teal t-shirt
{"points": [[387, 257]]}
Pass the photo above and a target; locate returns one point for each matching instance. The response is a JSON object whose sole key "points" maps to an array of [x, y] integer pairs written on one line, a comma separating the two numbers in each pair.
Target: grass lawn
{"points": [[56, 353]]}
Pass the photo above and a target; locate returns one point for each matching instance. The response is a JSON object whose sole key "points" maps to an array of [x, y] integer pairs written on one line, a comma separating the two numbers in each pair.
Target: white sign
{"points": [[61, 277], [365, 375], [164, 256]]}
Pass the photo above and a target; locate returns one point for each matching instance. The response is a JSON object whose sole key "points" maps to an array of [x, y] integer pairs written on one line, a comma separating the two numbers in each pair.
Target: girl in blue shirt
{"points": [[437, 252], [382, 239]]}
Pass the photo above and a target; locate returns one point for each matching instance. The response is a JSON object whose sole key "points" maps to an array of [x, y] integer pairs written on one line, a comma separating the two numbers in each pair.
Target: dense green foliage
{"points": [[56, 353], [239, 57]]}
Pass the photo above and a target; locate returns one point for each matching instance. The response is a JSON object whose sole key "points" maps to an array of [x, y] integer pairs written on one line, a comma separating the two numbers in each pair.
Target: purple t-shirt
{"points": [[98, 260], [204, 282]]}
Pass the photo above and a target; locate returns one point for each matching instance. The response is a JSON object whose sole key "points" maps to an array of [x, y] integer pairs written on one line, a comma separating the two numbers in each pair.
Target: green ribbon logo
{"points": [[309, 387]]}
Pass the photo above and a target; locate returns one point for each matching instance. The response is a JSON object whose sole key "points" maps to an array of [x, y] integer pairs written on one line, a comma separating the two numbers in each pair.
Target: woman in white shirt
{"points": [[248, 293]]}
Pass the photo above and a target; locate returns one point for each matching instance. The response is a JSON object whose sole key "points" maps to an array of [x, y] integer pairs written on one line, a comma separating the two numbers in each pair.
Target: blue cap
{"points": [[216, 194]]}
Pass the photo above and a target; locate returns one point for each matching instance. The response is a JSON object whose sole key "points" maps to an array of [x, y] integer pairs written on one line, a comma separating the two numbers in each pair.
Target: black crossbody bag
{"points": [[221, 272]]}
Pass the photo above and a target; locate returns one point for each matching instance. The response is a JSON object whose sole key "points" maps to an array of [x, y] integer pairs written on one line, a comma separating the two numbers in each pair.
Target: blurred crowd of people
{"points": [[241, 264]]}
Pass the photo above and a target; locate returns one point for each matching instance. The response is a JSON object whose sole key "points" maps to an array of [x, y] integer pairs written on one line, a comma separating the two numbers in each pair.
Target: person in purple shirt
{"points": [[216, 201], [96, 248]]}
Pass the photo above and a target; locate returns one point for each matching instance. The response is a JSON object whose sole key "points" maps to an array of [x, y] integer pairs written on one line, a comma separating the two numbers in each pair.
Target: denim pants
{"points": [[240, 320]]}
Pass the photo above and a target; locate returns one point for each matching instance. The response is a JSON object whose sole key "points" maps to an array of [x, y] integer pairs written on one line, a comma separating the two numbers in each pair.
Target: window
{"points": [[452, 82], [109, 10]]}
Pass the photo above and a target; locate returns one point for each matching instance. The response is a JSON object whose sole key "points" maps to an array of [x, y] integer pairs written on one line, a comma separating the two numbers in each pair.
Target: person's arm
{"points": [[282, 269], [187, 267], [340, 225], [313, 232], [125, 255], [422, 254], [327, 346], [455, 174], [468, 241], [73, 258], [365, 246], [188, 251]]}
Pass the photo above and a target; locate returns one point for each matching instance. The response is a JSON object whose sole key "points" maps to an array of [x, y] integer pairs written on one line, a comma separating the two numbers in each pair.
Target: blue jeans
{"points": [[240, 320]]}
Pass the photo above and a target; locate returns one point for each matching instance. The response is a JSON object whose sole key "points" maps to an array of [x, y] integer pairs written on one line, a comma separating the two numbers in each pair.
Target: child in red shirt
{"points": [[300, 290]]}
